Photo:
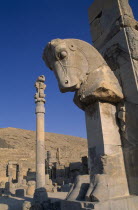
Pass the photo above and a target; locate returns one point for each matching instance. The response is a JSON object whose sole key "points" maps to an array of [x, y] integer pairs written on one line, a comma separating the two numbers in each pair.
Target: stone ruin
{"points": [[17, 184], [63, 175], [59, 177], [105, 80]]}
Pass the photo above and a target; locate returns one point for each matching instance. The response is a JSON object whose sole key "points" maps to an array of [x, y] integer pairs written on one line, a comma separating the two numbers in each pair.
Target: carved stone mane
{"points": [[79, 67]]}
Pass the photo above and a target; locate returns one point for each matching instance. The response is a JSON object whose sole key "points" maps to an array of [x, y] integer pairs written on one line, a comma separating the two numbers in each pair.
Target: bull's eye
{"points": [[62, 54]]}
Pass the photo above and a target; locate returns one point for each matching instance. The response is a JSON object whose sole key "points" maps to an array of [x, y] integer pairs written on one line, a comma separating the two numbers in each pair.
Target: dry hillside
{"points": [[19, 145]]}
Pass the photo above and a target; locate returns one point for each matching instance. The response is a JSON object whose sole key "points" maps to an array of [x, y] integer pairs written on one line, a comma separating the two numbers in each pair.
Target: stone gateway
{"points": [[104, 79]]}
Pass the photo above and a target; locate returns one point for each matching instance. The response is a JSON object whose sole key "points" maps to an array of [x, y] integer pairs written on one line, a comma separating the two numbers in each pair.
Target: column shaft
{"points": [[40, 146], [106, 162]]}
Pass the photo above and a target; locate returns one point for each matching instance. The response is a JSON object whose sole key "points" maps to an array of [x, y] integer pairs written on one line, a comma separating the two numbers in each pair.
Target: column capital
{"points": [[40, 87]]}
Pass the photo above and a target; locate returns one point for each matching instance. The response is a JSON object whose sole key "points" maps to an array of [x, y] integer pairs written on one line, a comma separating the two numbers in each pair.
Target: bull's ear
{"points": [[72, 47], [47, 57]]}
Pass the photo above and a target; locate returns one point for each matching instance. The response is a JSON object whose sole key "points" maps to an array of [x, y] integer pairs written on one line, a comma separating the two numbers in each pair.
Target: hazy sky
{"points": [[26, 26]]}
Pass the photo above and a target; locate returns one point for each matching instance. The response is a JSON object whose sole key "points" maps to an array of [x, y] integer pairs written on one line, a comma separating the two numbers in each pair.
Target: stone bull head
{"points": [[79, 67]]}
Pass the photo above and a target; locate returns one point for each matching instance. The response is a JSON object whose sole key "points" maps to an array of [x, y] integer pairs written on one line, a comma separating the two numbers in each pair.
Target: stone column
{"points": [[49, 156], [11, 188], [106, 162], [58, 155], [49, 160], [20, 174], [40, 193], [40, 135], [40, 157], [10, 171]]}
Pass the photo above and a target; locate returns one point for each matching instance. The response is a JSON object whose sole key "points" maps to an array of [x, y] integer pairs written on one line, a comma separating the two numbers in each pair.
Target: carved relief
{"points": [[79, 67], [40, 87]]}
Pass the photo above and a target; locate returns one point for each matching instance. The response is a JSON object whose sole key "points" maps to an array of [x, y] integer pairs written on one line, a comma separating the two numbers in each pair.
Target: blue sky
{"points": [[26, 26]]}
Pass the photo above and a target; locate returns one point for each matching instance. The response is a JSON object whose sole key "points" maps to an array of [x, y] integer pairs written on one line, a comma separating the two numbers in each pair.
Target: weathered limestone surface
{"points": [[20, 174], [79, 66], [14, 168], [99, 117], [106, 162], [31, 188], [78, 189], [107, 90], [40, 139], [130, 203], [77, 70], [10, 176], [115, 35]]}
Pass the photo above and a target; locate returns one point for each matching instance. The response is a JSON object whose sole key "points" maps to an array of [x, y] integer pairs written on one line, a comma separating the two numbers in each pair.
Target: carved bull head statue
{"points": [[79, 67]]}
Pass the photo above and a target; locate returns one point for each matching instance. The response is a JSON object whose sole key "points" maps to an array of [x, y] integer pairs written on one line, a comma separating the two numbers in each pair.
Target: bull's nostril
{"points": [[66, 82]]}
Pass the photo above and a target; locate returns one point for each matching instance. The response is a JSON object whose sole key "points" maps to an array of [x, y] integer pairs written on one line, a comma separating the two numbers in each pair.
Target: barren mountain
{"points": [[19, 145]]}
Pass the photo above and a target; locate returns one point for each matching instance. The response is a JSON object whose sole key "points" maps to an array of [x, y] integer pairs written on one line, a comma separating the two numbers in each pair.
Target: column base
{"points": [[122, 203], [40, 196]]}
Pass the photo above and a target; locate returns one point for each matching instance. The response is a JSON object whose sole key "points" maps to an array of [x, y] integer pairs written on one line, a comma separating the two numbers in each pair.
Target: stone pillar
{"points": [[20, 174], [49, 156], [40, 194], [10, 176], [11, 187], [106, 162], [49, 160], [40, 135], [58, 155], [40, 145], [115, 35]]}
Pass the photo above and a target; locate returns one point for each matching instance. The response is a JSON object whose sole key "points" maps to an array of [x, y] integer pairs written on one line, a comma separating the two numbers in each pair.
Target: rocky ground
{"points": [[19, 145]]}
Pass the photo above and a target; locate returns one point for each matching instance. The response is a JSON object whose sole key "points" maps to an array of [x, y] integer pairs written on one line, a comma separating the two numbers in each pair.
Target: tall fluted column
{"points": [[40, 135], [40, 195]]}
